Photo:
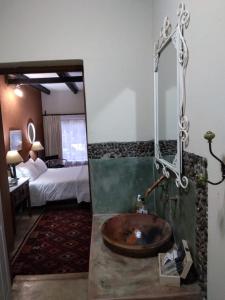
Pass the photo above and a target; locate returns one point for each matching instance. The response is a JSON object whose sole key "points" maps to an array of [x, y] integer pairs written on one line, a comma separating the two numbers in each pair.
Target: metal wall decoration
{"points": [[209, 136], [175, 37]]}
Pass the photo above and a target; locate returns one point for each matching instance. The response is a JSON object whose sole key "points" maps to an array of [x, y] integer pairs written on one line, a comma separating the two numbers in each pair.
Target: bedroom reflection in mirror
{"points": [[52, 195]]}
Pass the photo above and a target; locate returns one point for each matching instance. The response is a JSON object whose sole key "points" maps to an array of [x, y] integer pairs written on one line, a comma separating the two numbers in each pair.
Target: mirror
{"points": [[167, 102], [171, 124], [31, 133]]}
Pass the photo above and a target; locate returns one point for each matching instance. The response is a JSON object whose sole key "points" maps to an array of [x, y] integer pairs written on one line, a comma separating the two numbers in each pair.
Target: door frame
{"points": [[50, 66], [5, 283]]}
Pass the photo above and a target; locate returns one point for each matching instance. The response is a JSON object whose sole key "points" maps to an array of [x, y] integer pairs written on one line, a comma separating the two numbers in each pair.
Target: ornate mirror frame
{"points": [[177, 38]]}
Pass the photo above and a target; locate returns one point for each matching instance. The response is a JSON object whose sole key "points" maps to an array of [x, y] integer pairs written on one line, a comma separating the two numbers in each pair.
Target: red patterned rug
{"points": [[59, 242]]}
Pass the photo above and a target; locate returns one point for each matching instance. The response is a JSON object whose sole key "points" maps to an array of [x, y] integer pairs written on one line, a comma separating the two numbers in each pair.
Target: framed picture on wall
{"points": [[15, 137]]}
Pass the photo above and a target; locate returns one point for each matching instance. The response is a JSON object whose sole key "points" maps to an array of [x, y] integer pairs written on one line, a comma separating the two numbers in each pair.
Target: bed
{"points": [[59, 184]]}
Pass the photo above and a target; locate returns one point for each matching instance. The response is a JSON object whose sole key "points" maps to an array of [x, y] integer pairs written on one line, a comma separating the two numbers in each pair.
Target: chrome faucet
{"points": [[154, 186]]}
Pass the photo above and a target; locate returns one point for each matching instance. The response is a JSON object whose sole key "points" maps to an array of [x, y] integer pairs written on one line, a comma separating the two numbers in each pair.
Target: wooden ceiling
{"points": [[15, 74], [62, 77]]}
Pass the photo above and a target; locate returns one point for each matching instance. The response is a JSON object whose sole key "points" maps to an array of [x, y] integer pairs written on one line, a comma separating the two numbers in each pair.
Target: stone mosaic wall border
{"points": [[129, 149], [168, 147], [116, 150], [195, 165]]}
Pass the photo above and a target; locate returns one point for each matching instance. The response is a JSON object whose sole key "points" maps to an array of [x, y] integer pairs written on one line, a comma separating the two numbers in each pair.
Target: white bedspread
{"points": [[60, 184]]}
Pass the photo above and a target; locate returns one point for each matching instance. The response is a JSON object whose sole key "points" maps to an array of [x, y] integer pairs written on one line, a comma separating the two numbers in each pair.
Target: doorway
{"points": [[72, 154]]}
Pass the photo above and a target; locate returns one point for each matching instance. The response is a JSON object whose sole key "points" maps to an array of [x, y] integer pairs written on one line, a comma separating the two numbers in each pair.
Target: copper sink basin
{"points": [[137, 235]]}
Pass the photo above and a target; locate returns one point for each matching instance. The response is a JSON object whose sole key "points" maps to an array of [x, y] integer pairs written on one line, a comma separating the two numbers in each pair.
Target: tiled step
{"points": [[50, 287]]}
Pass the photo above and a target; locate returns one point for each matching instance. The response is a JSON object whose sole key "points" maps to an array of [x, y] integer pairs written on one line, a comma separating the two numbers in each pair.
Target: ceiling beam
{"points": [[38, 87], [29, 81], [71, 85], [41, 67]]}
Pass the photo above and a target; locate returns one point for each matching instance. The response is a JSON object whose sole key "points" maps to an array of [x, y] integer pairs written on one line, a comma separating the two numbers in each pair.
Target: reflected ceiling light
{"points": [[18, 92]]}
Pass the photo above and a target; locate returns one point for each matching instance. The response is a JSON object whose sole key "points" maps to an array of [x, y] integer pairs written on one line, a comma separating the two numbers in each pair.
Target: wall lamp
{"points": [[18, 91], [209, 136], [37, 146], [12, 158]]}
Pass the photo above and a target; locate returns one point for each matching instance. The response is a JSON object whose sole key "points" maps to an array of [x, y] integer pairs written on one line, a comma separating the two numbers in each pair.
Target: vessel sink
{"points": [[137, 235]]}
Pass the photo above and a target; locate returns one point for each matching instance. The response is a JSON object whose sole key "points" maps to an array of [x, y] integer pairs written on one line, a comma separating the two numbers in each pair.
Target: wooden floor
{"points": [[23, 224]]}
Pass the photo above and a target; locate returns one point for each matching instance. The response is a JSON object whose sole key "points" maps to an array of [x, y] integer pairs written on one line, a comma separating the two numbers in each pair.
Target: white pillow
{"points": [[19, 173], [29, 170], [40, 165]]}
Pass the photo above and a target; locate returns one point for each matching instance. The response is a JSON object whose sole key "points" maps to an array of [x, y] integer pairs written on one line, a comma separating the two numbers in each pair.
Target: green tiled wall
{"points": [[177, 206], [115, 183]]}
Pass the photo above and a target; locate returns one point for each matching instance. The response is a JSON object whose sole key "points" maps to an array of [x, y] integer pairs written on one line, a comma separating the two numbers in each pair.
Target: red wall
{"points": [[17, 112]]}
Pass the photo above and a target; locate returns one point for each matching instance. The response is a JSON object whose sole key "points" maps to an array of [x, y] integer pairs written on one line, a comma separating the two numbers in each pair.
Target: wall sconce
{"points": [[37, 146], [18, 92], [12, 158]]}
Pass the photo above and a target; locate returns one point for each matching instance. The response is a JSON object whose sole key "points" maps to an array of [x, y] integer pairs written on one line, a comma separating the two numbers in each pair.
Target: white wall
{"points": [[206, 111], [63, 102], [113, 37]]}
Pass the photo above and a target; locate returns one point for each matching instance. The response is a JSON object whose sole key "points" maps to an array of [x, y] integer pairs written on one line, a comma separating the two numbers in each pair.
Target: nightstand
{"points": [[20, 194]]}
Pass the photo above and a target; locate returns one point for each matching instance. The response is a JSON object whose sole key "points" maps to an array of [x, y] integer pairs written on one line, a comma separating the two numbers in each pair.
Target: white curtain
{"points": [[52, 135], [74, 141]]}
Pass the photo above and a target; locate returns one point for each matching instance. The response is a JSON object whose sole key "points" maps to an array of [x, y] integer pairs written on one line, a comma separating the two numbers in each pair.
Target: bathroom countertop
{"points": [[116, 277]]}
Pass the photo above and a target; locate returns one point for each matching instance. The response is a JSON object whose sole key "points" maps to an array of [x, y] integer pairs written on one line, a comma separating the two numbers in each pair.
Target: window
{"points": [[74, 141]]}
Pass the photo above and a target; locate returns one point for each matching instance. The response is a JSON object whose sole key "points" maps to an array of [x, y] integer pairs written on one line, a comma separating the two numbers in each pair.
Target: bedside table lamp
{"points": [[12, 158], [37, 146]]}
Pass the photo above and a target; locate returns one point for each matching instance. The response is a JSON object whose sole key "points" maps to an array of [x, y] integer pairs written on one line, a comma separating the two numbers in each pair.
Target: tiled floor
{"points": [[51, 287]]}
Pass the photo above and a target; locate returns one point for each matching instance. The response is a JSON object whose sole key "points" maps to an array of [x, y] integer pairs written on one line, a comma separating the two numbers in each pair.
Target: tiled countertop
{"points": [[114, 277]]}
